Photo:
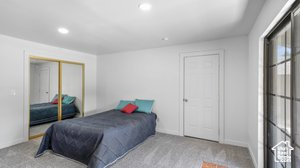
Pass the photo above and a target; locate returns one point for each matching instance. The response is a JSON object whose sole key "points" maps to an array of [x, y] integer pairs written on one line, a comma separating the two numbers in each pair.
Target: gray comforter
{"points": [[100, 139]]}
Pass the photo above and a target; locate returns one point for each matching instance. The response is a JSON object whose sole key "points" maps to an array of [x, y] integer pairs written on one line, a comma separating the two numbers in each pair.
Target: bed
{"points": [[98, 140], [47, 112]]}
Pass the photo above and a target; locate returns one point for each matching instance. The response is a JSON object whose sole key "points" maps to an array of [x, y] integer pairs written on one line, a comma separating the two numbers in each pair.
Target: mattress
{"points": [[100, 139]]}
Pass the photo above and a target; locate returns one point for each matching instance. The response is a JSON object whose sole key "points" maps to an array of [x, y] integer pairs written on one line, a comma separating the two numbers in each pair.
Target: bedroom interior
{"points": [[149, 83]]}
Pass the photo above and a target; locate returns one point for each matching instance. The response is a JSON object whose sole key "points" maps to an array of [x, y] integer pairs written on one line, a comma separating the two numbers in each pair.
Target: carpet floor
{"points": [[159, 151]]}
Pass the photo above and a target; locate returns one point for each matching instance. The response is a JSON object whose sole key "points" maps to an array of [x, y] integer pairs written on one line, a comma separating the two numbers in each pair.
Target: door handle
{"points": [[47, 92], [185, 100]]}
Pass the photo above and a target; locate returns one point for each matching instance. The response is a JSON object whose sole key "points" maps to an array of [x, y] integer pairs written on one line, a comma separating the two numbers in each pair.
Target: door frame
{"points": [[184, 55]]}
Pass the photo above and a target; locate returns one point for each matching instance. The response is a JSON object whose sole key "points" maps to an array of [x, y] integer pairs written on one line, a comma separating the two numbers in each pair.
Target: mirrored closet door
{"points": [[56, 93], [72, 90], [43, 95]]}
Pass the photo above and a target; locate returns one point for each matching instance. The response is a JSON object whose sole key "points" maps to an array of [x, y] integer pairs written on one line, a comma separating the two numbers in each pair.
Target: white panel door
{"points": [[201, 97], [44, 85]]}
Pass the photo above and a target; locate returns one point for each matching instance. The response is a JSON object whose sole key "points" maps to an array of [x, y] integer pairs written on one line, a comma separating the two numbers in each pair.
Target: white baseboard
{"points": [[172, 132], [5, 145], [252, 156], [235, 143]]}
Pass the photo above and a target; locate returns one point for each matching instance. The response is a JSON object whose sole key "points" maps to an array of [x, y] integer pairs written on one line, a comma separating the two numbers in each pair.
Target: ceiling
{"points": [[99, 26]]}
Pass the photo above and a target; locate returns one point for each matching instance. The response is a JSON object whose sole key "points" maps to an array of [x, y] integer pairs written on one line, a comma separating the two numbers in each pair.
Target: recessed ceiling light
{"points": [[63, 30], [145, 6], [165, 39]]}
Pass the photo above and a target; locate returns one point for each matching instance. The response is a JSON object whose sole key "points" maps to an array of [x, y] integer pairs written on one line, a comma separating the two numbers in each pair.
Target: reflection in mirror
{"points": [[72, 89], [43, 95]]}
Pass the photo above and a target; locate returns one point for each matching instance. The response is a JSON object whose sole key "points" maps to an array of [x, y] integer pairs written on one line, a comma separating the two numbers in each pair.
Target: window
{"points": [[282, 90], [278, 90]]}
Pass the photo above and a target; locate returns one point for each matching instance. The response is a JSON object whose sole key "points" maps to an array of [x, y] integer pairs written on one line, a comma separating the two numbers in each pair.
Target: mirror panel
{"points": [[72, 90], [43, 93]]}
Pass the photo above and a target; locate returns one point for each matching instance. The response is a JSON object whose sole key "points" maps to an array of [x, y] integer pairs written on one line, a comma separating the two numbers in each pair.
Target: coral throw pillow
{"points": [[129, 108], [55, 101], [123, 103]]}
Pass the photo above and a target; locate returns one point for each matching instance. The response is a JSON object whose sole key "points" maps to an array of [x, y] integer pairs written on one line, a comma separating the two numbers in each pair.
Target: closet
{"points": [[56, 93]]}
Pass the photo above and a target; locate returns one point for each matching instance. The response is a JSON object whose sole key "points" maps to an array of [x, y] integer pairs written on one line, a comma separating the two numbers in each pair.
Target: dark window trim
{"points": [[281, 24], [288, 17], [279, 63]]}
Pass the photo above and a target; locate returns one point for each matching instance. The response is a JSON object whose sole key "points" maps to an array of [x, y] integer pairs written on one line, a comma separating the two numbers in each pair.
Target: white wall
{"points": [[12, 100], [154, 74], [269, 11], [34, 83]]}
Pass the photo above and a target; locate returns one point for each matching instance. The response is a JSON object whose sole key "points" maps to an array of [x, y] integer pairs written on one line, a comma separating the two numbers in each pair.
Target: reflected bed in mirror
{"points": [[44, 114]]}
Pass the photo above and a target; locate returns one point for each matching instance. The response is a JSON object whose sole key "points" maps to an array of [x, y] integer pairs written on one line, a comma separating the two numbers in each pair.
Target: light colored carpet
{"points": [[159, 151]]}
